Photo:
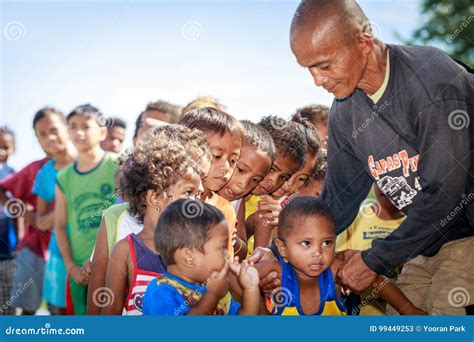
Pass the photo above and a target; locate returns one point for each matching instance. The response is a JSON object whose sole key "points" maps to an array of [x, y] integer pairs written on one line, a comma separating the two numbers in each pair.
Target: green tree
{"points": [[448, 24]]}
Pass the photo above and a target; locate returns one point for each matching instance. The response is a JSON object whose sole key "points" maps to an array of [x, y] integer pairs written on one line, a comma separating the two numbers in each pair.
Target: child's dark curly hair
{"points": [[316, 114], [193, 140], [288, 138], [156, 165], [311, 134], [258, 137]]}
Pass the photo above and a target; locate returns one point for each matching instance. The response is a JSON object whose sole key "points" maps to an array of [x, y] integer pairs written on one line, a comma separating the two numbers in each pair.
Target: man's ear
{"points": [[280, 244], [364, 41]]}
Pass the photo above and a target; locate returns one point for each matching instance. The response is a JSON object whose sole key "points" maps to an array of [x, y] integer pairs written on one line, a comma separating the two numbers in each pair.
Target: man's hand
{"points": [[261, 254], [355, 274]]}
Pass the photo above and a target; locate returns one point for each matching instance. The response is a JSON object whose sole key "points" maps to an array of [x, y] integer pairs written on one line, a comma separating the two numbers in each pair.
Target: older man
{"points": [[400, 118]]}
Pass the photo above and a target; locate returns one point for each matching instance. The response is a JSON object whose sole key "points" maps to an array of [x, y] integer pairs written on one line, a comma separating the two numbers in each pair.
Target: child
{"points": [[306, 244], [134, 260], [256, 158], [113, 142], [318, 116], [314, 184], [299, 178], [202, 102], [224, 135], [376, 220], [84, 190], [265, 226], [291, 148], [196, 282], [7, 230], [33, 245], [162, 111], [117, 222], [55, 271]]}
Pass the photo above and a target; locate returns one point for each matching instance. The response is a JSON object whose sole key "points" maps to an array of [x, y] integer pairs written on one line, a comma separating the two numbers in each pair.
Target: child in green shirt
{"points": [[84, 190]]}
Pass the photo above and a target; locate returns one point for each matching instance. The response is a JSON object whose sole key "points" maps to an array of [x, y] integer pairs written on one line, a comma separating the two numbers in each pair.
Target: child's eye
{"points": [[216, 157], [302, 179], [305, 243], [233, 161], [240, 170], [285, 178], [327, 243]]}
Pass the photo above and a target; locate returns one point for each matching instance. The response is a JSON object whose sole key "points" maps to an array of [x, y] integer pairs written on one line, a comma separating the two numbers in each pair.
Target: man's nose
{"points": [[318, 79]]}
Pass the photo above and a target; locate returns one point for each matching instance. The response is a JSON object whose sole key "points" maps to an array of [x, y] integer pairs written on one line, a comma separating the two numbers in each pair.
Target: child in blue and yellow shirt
{"points": [[306, 244], [192, 237]]}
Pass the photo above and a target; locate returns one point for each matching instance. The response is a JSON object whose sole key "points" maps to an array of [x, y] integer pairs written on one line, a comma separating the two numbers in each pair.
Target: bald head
{"points": [[332, 39], [340, 19]]}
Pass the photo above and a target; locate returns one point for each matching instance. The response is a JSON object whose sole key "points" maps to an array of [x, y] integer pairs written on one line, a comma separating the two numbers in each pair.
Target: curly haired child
{"points": [[152, 175], [117, 222]]}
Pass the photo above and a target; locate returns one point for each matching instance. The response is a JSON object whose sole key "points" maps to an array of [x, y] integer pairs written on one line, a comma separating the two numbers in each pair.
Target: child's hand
{"points": [[247, 275], [217, 283], [234, 237], [77, 275], [86, 271], [270, 208]]}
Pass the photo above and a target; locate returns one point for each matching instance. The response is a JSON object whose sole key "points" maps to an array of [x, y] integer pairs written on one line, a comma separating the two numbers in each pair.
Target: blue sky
{"points": [[119, 55]]}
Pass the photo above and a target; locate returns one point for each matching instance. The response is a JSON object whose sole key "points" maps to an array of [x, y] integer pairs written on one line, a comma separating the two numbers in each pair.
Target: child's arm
{"points": [[100, 261], [117, 278], [241, 229], [60, 222], [395, 297], [217, 287], [263, 230], [44, 217]]}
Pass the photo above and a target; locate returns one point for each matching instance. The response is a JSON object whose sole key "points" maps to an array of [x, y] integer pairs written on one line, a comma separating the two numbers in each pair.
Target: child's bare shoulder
{"points": [[121, 249]]}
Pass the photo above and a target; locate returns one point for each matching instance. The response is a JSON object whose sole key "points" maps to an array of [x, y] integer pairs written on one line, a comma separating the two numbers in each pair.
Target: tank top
{"points": [[147, 265]]}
